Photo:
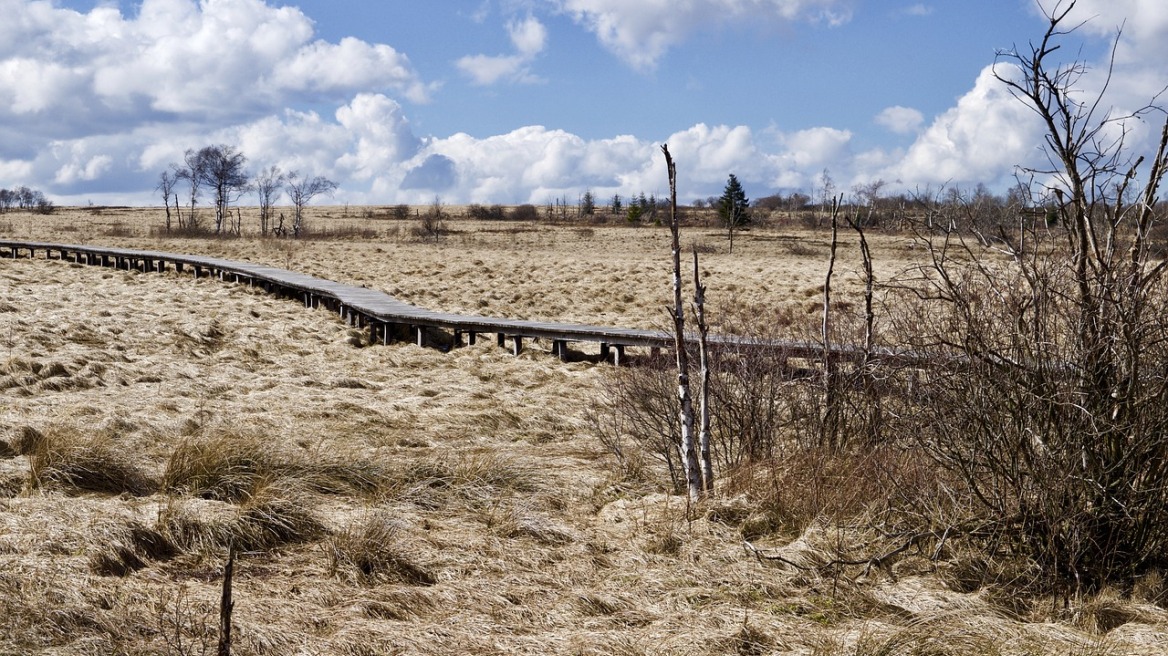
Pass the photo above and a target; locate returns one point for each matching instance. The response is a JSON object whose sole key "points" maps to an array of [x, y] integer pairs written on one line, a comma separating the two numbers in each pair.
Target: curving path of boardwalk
{"points": [[387, 318]]}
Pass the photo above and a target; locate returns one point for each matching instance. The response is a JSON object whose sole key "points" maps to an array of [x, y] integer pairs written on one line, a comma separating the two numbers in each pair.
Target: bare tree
{"points": [[269, 183], [689, 456], [166, 183], [191, 171], [301, 190], [222, 169]]}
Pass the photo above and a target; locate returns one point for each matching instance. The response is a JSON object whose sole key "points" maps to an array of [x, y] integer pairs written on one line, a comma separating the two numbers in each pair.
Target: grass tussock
{"points": [[127, 548], [232, 465], [377, 549], [69, 458], [270, 519], [477, 480]]}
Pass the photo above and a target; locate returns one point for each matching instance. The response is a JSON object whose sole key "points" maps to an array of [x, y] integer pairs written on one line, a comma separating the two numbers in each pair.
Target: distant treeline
{"points": [[23, 198]]}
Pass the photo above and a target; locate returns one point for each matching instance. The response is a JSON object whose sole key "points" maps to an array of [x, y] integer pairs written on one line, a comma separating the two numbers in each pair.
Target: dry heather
{"points": [[403, 500]]}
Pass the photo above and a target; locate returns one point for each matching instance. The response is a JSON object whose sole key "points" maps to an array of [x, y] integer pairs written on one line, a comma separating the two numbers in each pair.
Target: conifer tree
{"points": [[733, 208]]}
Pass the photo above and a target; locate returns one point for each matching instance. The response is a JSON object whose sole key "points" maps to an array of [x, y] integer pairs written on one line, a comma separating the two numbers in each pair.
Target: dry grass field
{"points": [[399, 500]]}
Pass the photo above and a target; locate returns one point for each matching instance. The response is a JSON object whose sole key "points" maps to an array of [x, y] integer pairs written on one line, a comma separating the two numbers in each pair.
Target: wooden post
{"points": [[560, 349], [471, 337], [618, 354], [178, 267], [605, 350], [517, 345], [420, 335], [501, 339], [226, 605], [457, 342]]}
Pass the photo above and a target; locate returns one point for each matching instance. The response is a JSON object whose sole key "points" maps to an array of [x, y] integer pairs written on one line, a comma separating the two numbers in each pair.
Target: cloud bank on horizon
{"points": [[95, 103]]}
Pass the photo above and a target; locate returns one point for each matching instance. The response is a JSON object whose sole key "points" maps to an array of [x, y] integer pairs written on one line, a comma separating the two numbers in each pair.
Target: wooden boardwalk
{"points": [[389, 319]]}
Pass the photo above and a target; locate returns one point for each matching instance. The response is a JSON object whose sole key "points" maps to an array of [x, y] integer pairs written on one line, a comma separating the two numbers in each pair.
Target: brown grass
{"points": [[403, 500]]}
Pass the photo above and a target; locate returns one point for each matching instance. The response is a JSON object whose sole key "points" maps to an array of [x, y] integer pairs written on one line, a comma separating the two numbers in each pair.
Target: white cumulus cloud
{"points": [[979, 140], [642, 32], [528, 36], [177, 58], [901, 120]]}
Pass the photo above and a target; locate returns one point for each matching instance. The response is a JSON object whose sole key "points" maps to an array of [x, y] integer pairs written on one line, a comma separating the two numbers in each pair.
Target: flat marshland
{"points": [[394, 499]]}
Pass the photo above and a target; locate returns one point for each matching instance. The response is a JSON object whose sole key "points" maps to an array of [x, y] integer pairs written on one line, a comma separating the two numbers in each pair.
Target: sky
{"points": [[526, 101]]}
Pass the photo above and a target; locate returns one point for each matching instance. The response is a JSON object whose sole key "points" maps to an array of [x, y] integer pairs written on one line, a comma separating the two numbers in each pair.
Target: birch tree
{"points": [[689, 457]]}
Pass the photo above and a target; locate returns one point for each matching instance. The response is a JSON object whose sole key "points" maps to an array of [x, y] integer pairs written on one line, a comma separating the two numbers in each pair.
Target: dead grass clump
{"points": [[541, 529], [400, 605], [1151, 588], [481, 478], [65, 457], [748, 640], [270, 519], [1104, 611], [597, 604], [376, 550], [231, 466], [273, 519], [197, 527], [789, 493], [224, 467], [129, 548], [942, 634]]}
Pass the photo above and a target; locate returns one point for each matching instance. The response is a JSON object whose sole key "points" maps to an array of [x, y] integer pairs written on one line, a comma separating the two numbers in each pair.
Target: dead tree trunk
{"points": [[829, 436], [226, 605], [704, 355], [874, 407], [689, 460]]}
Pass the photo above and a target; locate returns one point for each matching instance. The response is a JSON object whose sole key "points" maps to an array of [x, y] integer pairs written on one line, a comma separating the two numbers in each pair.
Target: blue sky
{"points": [[516, 101]]}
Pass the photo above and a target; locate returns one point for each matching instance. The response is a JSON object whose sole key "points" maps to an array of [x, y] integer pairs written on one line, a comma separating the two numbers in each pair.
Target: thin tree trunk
{"points": [[704, 354], [875, 411], [830, 430], [689, 460]]}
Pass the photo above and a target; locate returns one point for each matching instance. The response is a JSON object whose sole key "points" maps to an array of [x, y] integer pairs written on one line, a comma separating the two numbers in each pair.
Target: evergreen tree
{"points": [[587, 203], [616, 204], [733, 208]]}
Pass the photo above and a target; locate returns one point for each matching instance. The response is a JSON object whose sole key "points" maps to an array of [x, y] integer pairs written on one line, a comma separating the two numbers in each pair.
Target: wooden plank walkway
{"points": [[389, 319]]}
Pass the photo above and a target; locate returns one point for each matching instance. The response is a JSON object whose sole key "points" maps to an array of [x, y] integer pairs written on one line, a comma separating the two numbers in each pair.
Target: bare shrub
{"points": [[482, 213], [1055, 413], [432, 222], [400, 212], [523, 212]]}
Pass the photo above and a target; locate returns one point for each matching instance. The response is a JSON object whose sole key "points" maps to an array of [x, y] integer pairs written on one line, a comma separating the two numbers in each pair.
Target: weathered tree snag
{"points": [[704, 356], [689, 460], [829, 435], [226, 605]]}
